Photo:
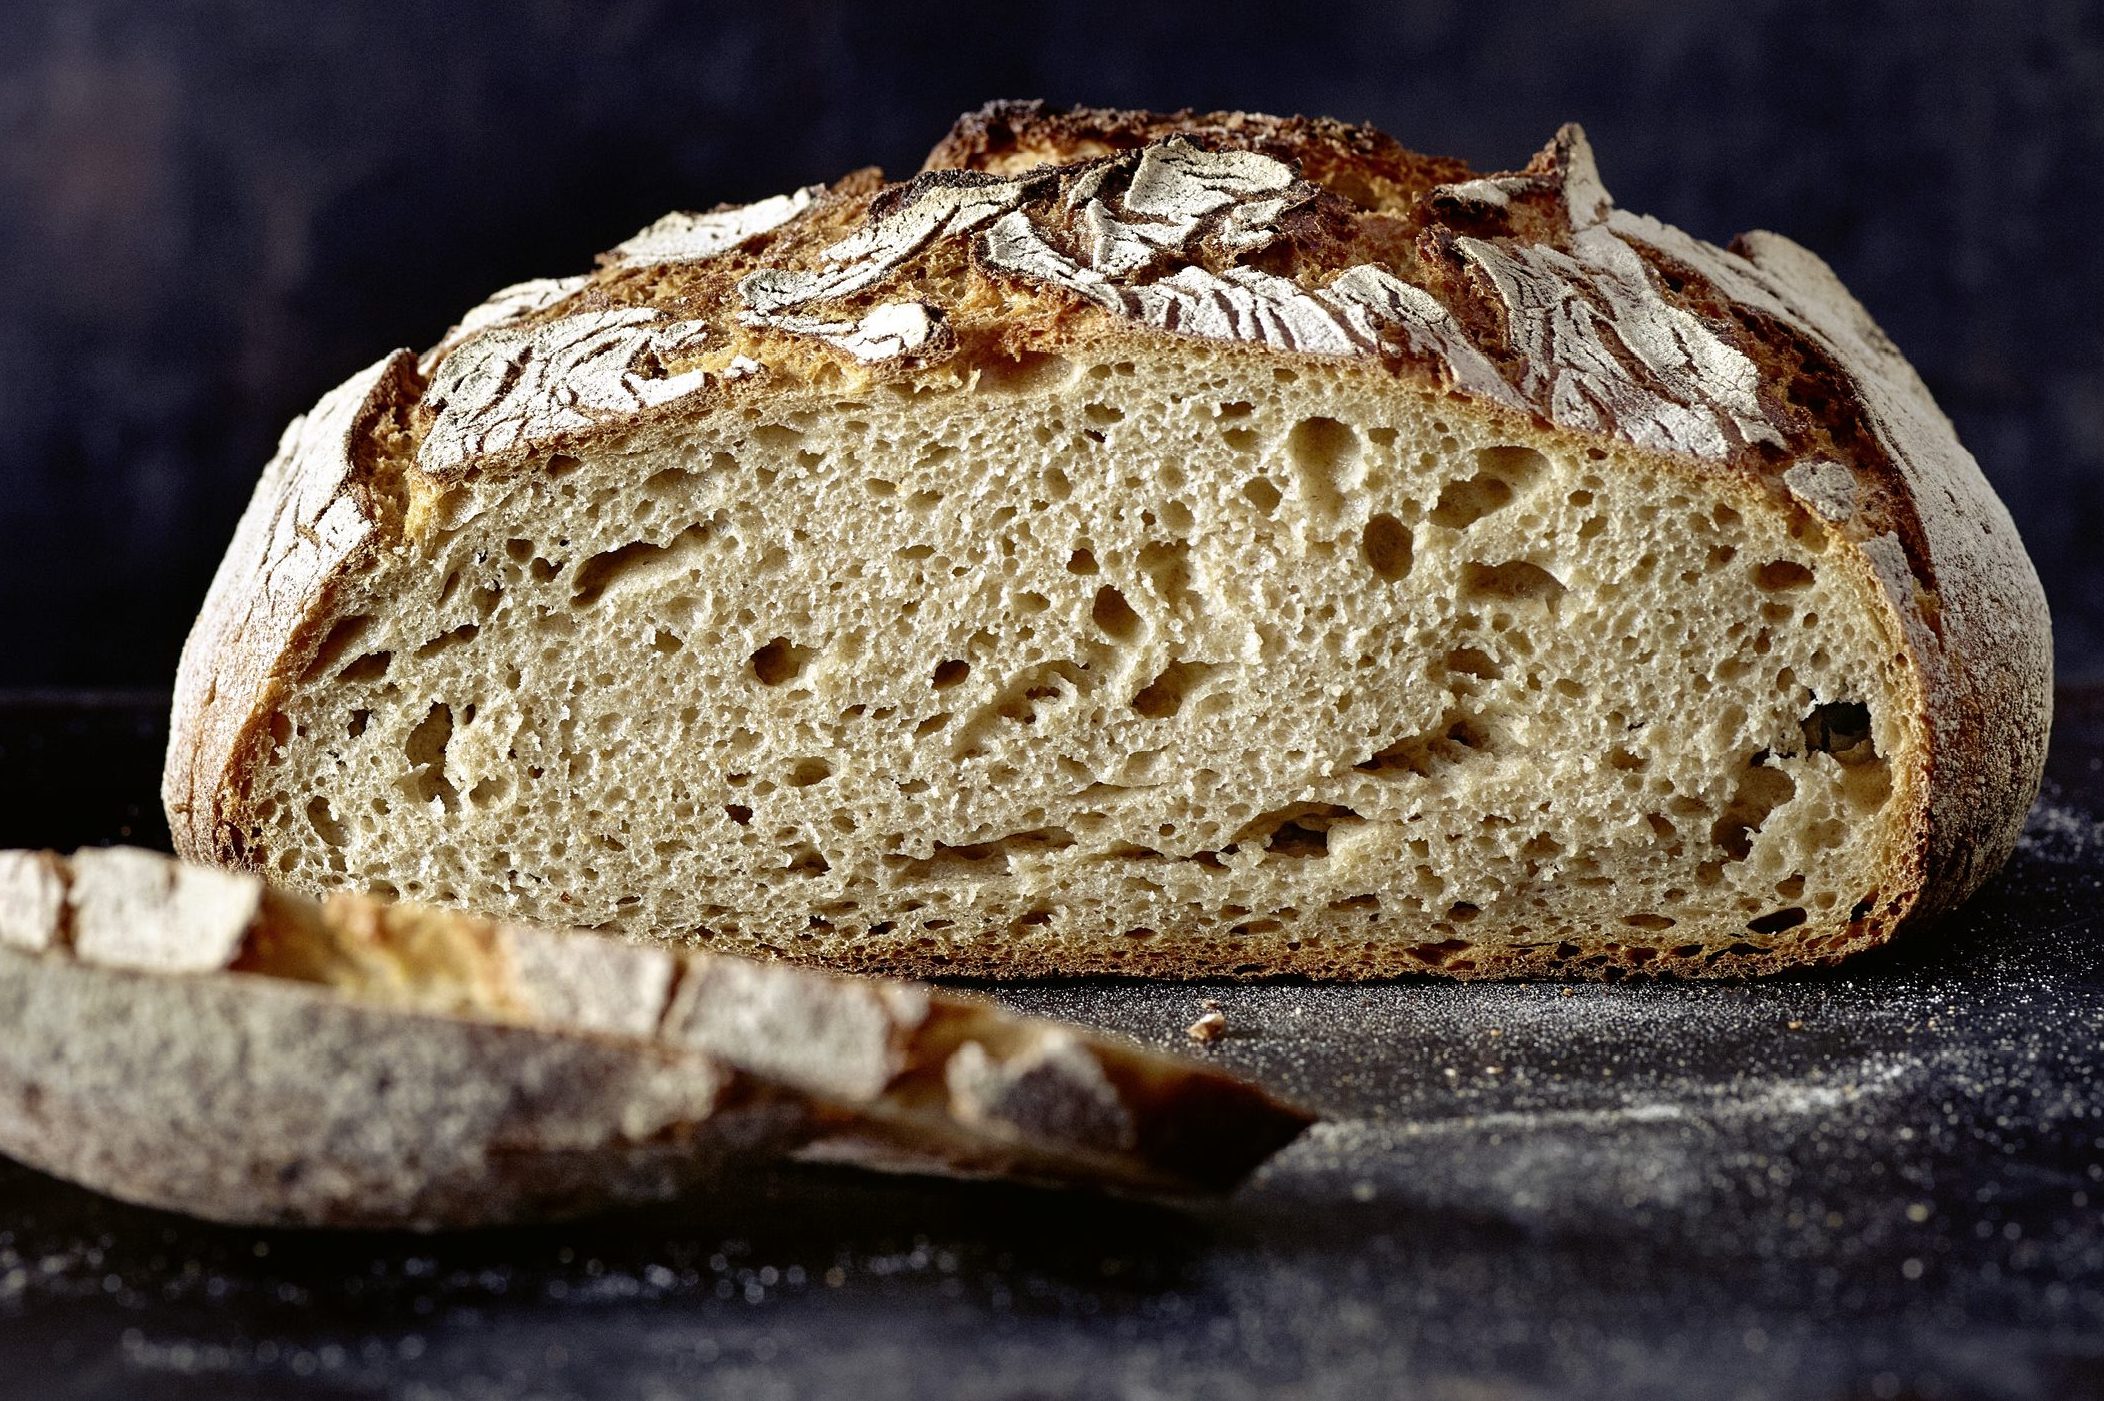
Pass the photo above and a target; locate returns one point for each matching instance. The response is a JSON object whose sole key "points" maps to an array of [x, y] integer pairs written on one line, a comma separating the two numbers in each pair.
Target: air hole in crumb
{"points": [[343, 636], [1300, 830], [324, 823], [738, 813], [809, 771], [1081, 562], [780, 661], [1511, 463], [949, 673], [1167, 565], [425, 749], [1461, 504], [1778, 576], [1461, 911], [1777, 922], [1842, 729], [1262, 493], [639, 561], [1165, 695], [1473, 661], [1325, 457], [1515, 581], [1654, 923], [1761, 789], [1388, 546], [1457, 736], [367, 668], [1114, 615], [464, 633]]}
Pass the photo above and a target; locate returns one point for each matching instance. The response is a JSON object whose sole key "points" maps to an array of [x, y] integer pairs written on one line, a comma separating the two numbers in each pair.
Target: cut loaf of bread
{"points": [[195, 1040], [1170, 545]]}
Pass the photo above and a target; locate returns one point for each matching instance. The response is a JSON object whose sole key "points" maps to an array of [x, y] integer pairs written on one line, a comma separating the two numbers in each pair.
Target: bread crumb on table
{"points": [[1208, 1028]]}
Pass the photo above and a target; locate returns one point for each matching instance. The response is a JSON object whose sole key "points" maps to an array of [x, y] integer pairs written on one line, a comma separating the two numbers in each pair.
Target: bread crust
{"points": [[1751, 367], [187, 1038], [319, 512]]}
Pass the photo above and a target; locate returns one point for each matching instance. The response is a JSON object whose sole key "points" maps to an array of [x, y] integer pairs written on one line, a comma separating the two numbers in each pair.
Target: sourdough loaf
{"points": [[1187, 545], [191, 1039]]}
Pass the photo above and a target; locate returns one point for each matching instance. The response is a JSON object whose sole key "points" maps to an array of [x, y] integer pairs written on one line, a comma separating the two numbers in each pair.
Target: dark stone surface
{"points": [[211, 211], [1882, 1182]]}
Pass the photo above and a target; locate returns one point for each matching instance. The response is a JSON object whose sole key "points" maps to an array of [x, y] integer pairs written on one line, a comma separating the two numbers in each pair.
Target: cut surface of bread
{"points": [[1183, 546], [191, 1039]]}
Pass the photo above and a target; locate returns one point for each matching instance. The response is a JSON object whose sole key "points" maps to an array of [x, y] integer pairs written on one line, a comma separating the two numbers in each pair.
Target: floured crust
{"points": [[318, 512], [1034, 229], [190, 1039]]}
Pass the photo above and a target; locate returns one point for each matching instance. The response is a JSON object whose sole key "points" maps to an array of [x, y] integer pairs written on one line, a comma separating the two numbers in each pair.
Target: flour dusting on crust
{"points": [[510, 391], [681, 238]]}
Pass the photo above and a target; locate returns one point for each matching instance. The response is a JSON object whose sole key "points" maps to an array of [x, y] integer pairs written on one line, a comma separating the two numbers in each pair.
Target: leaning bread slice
{"points": [[1180, 545], [194, 1040]]}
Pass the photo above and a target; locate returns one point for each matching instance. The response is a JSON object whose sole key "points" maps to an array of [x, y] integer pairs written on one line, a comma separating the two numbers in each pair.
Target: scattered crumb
{"points": [[1210, 1027], [1794, 1025], [1566, 992]]}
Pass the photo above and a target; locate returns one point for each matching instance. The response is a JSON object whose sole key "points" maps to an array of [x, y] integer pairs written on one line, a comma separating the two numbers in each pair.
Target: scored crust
{"points": [[191, 1039], [1526, 292]]}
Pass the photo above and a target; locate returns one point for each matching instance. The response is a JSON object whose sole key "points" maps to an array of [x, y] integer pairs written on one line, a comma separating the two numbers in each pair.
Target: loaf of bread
{"points": [[1191, 545], [192, 1039]]}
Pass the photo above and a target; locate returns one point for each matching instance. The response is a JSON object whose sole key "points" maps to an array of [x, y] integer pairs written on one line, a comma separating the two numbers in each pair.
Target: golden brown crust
{"points": [[1036, 228]]}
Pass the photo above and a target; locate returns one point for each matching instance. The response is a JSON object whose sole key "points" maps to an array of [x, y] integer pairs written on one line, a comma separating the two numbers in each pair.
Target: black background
{"points": [[210, 213]]}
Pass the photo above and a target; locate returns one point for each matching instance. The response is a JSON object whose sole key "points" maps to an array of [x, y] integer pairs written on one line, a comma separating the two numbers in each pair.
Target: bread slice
{"points": [[191, 1039], [1169, 545]]}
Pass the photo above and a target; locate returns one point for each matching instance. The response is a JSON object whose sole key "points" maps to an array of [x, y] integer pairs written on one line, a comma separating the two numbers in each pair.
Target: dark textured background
{"points": [[211, 212]]}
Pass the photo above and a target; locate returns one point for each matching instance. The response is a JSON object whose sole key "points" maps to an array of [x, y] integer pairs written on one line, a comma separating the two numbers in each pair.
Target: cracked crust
{"points": [[189, 1039], [1033, 228]]}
